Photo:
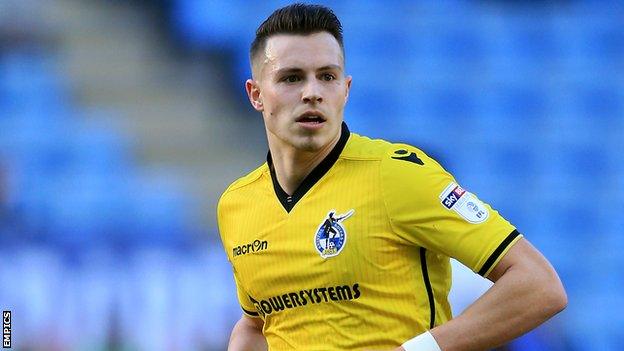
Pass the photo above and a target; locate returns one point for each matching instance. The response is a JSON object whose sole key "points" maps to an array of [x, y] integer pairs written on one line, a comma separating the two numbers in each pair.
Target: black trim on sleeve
{"points": [[254, 314], [287, 201], [490, 261], [425, 273]]}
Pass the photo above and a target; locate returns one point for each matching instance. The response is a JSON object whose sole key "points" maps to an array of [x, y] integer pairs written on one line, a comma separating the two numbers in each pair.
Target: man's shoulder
{"points": [[364, 148], [361, 147], [247, 181], [398, 162]]}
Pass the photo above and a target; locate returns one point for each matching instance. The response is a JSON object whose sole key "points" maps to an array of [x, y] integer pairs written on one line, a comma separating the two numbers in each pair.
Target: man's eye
{"points": [[328, 77], [291, 79]]}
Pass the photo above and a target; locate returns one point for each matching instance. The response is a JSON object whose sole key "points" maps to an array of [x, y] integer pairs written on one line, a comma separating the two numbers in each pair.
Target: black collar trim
{"points": [[288, 202]]}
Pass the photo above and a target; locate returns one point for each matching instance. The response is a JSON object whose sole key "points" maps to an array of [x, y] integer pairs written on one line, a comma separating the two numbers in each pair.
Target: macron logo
{"points": [[256, 246]]}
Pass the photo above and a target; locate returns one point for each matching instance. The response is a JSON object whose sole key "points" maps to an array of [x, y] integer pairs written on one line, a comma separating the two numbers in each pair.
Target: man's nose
{"points": [[312, 92]]}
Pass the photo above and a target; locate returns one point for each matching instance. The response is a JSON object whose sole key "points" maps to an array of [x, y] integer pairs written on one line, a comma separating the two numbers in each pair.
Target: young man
{"points": [[340, 242]]}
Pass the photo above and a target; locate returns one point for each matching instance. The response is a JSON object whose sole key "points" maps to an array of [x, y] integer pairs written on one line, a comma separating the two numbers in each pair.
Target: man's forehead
{"points": [[311, 51]]}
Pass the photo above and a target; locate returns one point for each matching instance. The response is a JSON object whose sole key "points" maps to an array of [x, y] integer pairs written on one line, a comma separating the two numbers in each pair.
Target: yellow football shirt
{"points": [[358, 256]]}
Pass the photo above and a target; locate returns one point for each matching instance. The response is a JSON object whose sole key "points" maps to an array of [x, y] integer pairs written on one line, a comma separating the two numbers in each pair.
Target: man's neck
{"points": [[292, 166]]}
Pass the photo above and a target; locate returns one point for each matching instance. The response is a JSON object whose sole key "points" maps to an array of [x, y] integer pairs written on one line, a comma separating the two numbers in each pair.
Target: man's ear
{"points": [[253, 92], [348, 80]]}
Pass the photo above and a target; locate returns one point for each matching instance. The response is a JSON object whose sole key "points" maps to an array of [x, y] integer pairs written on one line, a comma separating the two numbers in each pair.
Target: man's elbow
{"points": [[557, 301], [553, 296]]}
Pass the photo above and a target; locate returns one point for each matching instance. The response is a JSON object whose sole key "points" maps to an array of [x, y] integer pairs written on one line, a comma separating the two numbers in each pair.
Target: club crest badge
{"points": [[331, 235]]}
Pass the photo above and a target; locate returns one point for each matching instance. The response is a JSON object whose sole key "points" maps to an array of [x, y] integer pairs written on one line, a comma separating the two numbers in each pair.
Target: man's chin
{"points": [[311, 144], [311, 141]]}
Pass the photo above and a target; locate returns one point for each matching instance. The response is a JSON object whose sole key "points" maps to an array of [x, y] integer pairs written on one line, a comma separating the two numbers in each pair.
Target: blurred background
{"points": [[121, 122]]}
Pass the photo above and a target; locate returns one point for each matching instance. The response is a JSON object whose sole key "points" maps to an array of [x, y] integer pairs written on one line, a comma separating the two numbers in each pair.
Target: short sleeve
{"points": [[427, 207], [245, 300]]}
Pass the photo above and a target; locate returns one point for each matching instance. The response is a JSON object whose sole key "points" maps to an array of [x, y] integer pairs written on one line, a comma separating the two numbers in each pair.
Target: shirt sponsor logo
{"points": [[331, 236], [255, 246], [306, 297], [464, 203]]}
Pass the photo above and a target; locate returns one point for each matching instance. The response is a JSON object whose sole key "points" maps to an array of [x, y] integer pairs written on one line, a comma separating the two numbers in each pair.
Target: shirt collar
{"points": [[288, 202]]}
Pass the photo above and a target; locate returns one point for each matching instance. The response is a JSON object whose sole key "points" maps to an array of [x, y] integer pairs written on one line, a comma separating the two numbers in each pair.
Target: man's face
{"points": [[300, 87]]}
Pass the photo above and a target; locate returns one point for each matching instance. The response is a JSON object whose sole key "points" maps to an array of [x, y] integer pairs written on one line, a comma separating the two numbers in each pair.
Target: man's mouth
{"points": [[312, 117]]}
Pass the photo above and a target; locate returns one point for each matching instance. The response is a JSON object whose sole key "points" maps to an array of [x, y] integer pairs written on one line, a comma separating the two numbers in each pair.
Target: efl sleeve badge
{"points": [[466, 204]]}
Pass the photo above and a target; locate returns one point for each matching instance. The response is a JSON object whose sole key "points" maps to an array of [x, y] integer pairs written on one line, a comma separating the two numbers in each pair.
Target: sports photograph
{"points": [[203, 175]]}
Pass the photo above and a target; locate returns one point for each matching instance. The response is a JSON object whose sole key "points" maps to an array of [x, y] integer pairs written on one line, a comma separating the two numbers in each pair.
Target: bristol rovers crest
{"points": [[331, 236]]}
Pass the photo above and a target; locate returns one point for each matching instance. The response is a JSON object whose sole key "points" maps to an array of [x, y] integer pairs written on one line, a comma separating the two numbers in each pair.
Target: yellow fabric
{"points": [[372, 294]]}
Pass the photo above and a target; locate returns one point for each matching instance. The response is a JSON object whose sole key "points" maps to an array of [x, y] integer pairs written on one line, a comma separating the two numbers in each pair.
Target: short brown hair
{"points": [[297, 19]]}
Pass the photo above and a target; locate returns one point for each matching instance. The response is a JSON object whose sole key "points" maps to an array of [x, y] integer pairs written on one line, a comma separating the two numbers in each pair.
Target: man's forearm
{"points": [[517, 303], [247, 337]]}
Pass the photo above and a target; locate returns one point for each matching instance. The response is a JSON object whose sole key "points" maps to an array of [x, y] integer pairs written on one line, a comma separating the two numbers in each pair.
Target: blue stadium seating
{"points": [[73, 178], [523, 103]]}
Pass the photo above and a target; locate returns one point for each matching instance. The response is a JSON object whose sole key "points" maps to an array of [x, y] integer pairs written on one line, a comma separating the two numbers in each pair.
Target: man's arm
{"points": [[526, 293], [247, 335]]}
